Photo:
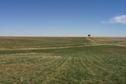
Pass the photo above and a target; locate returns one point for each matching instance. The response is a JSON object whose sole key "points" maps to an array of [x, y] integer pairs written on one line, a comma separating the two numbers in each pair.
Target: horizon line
{"points": [[56, 36]]}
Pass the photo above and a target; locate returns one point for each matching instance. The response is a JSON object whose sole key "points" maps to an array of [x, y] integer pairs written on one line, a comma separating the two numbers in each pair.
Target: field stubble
{"points": [[78, 64]]}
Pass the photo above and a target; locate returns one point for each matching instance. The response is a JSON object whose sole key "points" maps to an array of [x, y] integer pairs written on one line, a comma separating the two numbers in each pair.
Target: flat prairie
{"points": [[62, 60]]}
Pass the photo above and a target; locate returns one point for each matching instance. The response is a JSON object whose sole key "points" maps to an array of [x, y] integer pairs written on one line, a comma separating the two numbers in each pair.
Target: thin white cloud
{"points": [[117, 19]]}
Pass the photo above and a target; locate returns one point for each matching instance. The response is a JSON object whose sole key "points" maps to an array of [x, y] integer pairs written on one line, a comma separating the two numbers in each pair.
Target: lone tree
{"points": [[89, 35]]}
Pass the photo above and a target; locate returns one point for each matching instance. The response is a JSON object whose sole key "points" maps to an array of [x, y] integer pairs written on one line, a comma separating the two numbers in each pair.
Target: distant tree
{"points": [[89, 35]]}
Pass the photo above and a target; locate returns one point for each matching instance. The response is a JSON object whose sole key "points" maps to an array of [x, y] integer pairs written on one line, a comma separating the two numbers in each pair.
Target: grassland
{"points": [[62, 60]]}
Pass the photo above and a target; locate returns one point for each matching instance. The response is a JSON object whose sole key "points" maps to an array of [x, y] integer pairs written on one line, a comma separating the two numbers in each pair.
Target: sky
{"points": [[62, 17]]}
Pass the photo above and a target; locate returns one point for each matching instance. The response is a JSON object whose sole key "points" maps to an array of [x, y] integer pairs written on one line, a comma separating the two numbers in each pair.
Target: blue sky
{"points": [[63, 17]]}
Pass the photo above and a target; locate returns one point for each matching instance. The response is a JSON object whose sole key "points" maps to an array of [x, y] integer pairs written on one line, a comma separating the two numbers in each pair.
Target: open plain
{"points": [[62, 60]]}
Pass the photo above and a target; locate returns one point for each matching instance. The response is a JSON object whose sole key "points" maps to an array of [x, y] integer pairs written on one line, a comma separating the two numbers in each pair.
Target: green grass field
{"points": [[62, 60]]}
